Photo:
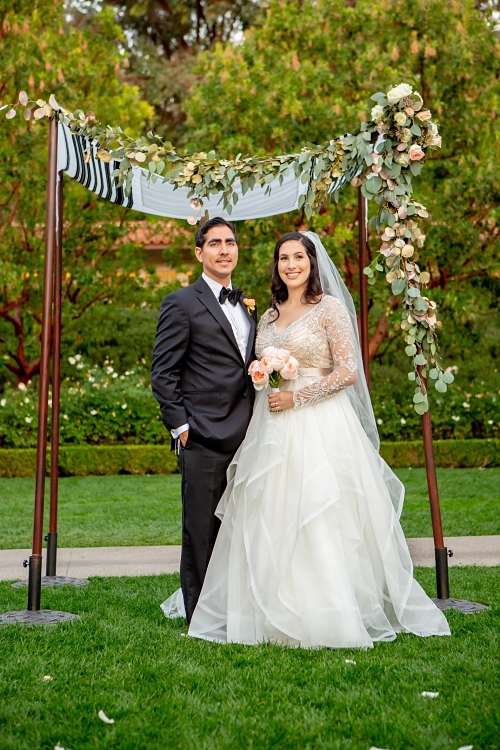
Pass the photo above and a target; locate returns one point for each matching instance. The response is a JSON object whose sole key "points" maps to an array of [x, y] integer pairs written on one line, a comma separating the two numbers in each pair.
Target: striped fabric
{"points": [[162, 199]]}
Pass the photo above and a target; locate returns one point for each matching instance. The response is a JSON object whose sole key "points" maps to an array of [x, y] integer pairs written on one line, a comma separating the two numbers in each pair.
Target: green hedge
{"points": [[80, 460], [158, 459]]}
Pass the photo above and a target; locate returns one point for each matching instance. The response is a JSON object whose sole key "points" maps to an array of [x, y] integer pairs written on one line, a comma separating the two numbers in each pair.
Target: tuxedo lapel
{"points": [[208, 299]]}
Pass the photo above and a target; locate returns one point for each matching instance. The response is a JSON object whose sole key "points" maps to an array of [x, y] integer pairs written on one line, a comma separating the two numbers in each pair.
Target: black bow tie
{"points": [[233, 295]]}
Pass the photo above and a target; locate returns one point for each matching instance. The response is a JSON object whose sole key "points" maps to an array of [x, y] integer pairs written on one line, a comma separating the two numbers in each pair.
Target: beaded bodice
{"points": [[321, 338]]}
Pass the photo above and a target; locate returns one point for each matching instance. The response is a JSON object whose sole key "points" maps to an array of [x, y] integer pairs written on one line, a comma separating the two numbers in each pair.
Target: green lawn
{"points": [[144, 510], [166, 691]]}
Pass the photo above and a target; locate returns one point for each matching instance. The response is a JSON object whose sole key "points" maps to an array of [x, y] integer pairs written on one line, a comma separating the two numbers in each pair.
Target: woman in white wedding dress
{"points": [[310, 552]]}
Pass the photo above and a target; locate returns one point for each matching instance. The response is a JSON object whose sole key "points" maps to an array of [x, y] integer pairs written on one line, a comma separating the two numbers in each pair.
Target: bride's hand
{"points": [[280, 401]]}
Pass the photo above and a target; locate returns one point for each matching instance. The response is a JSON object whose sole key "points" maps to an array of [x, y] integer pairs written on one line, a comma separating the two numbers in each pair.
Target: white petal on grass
{"points": [[104, 718], [427, 694], [376, 748], [350, 661], [47, 678], [466, 747]]}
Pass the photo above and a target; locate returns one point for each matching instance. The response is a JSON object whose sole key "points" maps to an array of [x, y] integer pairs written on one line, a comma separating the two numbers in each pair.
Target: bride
{"points": [[310, 552]]}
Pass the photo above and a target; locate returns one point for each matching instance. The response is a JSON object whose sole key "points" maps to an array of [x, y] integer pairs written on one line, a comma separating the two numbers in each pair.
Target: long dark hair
{"points": [[279, 289]]}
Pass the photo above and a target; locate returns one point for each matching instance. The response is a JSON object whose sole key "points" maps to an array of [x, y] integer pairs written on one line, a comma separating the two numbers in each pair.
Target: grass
{"points": [[167, 691], [146, 510], [470, 502]]}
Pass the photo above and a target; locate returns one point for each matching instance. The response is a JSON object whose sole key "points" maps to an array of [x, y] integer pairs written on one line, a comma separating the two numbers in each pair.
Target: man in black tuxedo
{"points": [[204, 345]]}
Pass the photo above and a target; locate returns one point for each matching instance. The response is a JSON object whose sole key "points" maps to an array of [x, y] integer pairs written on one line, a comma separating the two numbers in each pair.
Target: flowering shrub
{"points": [[99, 407], [470, 413]]}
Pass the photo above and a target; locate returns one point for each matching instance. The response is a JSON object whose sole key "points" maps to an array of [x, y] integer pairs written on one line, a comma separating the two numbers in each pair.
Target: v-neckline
{"points": [[301, 318]]}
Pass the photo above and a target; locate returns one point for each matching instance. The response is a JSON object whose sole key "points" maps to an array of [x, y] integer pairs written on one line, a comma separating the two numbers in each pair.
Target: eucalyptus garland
{"points": [[381, 157]]}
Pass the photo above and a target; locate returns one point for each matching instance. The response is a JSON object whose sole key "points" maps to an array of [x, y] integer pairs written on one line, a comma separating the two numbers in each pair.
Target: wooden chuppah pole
{"points": [[363, 285], [56, 386], [440, 551], [35, 561]]}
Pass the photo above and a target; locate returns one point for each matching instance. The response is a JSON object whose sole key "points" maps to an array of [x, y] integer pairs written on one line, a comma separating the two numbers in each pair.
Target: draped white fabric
{"points": [[161, 199]]}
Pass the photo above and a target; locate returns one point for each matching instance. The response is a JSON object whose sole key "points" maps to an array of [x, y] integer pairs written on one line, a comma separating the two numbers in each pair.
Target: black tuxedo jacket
{"points": [[198, 374]]}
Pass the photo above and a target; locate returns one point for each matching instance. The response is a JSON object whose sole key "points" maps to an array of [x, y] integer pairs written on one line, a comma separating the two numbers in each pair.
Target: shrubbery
{"points": [[98, 407], [101, 407]]}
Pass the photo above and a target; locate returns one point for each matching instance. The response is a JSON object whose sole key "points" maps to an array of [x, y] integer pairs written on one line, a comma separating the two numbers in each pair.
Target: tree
{"points": [[163, 40], [305, 73], [79, 60]]}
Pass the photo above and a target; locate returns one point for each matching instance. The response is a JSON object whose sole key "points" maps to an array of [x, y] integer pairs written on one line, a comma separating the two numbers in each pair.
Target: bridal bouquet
{"points": [[274, 366]]}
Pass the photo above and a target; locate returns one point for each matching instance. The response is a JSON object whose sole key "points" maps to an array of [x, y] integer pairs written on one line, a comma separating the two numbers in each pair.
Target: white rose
{"points": [[398, 93], [403, 160], [433, 128], [377, 113], [400, 118]]}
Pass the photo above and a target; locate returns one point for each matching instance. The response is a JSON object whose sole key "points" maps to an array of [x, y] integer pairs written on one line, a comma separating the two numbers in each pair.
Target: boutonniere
{"points": [[249, 304]]}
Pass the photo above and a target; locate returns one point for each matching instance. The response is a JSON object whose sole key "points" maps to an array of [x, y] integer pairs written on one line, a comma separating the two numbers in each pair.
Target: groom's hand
{"points": [[280, 401], [183, 437]]}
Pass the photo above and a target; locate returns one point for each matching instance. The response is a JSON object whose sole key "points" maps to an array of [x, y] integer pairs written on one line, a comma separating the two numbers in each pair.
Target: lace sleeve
{"points": [[338, 330]]}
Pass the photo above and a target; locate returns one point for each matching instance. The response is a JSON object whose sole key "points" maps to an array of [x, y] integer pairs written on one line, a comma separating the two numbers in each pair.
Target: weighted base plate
{"points": [[55, 581], [40, 617], [461, 604]]}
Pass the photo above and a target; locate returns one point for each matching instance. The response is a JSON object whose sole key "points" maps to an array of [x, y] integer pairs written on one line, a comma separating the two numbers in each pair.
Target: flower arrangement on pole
{"points": [[404, 131]]}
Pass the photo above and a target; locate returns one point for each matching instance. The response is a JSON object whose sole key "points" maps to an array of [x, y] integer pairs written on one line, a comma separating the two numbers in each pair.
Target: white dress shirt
{"points": [[239, 323]]}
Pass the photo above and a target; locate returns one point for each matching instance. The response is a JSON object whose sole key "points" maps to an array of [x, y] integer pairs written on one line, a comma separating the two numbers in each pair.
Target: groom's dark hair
{"points": [[217, 221]]}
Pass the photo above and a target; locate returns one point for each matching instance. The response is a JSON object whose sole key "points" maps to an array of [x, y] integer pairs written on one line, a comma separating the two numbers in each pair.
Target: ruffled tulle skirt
{"points": [[310, 551]]}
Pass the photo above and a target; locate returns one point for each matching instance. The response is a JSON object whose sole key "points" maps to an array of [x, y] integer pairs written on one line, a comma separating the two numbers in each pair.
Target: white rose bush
{"points": [[380, 157], [99, 406]]}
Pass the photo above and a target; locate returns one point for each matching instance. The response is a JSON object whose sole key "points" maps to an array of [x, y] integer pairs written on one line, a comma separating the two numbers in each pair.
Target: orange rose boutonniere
{"points": [[249, 304]]}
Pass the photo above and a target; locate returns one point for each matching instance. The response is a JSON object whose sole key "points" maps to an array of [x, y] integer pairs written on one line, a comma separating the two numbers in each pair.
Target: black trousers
{"points": [[203, 483]]}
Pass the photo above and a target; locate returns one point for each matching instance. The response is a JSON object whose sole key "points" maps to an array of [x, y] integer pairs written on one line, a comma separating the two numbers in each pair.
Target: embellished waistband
{"points": [[316, 372]]}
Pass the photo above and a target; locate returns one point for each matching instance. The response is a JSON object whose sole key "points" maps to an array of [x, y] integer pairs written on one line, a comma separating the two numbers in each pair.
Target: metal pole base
{"points": [[443, 585], [51, 539], [48, 581], [41, 617], [34, 582], [462, 605]]}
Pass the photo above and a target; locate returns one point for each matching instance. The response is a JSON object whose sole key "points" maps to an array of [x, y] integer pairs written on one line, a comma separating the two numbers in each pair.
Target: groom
{"points": [[204, 345]]}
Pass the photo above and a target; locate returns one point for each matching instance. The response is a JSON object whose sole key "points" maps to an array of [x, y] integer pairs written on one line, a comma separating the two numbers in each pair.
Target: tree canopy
{"points": [[42, 48], [303, 74]]}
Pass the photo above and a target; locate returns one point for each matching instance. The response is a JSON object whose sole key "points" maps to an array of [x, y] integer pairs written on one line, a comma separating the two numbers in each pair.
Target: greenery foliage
{"points": [[41, 47], [101, 405], [84, 460]]}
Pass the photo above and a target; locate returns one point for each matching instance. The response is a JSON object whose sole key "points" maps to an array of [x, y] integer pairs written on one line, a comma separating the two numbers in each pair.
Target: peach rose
{"points": [[416, 152], [436, 141], [260, 379], [255, 365], [275, 357], [266, 365], [425, 115], [289, 371]]}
